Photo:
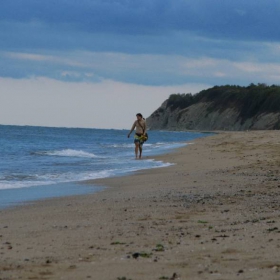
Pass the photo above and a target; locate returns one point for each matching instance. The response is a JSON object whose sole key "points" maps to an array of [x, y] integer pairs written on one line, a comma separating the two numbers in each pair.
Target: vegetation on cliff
{"points": [[249, 101]]}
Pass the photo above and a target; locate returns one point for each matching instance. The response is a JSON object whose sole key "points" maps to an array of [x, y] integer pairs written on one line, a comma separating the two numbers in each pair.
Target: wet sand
{"points": [[213, 215]]}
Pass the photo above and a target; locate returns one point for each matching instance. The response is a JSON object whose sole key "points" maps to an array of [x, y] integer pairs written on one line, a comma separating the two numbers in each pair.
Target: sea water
{"points": [[44, 162]]}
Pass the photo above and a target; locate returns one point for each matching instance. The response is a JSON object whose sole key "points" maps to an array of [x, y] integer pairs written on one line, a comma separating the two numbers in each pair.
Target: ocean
{"points": [[44, 162]]}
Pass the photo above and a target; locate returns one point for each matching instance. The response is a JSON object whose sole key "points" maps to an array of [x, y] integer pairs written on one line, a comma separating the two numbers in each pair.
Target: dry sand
{"points": [[213, 215]]}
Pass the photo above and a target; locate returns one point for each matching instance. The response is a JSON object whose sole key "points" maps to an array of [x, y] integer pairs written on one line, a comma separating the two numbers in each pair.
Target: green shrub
{"points": [[249, 101]]}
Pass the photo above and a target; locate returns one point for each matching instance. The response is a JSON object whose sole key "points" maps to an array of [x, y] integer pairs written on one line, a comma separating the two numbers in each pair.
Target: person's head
{"points": [[139, 116]]}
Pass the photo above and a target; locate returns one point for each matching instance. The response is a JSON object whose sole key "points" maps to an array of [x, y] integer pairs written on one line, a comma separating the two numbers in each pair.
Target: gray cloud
{"points": [[147, 69], [219, 29], [238, 20]]}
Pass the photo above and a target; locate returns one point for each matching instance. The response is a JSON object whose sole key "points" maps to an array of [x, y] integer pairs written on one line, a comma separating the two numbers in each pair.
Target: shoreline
{"points": [[59, 190], [212, 215]]}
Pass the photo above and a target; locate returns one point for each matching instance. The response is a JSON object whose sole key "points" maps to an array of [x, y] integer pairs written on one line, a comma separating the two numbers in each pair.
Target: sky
{"points": [[96, 63]]}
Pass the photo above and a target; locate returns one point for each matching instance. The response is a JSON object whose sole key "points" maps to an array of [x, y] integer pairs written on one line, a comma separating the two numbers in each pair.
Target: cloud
{"points": [[149, 42], [268, 72], [108, 104], [43, 58], [115, 24], [145, 69]]}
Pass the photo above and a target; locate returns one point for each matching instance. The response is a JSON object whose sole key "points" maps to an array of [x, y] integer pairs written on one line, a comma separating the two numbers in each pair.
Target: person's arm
{"points": [[132, 128], [144, 128]]}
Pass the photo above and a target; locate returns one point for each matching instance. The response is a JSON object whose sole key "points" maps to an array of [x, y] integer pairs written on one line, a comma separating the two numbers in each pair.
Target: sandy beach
{"points": [[214, 214]]}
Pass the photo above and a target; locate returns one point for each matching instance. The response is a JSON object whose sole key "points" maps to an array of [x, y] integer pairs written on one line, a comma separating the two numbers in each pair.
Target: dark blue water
{"points": [[42, 162]]}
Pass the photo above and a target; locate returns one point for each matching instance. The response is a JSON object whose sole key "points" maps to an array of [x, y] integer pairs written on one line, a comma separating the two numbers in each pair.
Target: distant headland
{"points": [[229, 107]]}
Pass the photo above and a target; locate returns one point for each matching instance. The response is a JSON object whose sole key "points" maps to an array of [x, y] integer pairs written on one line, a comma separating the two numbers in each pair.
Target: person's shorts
{"points": [[138, 139]]}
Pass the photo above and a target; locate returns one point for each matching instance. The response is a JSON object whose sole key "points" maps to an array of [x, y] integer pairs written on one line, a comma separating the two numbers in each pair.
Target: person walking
{"points": [[139, 137]]}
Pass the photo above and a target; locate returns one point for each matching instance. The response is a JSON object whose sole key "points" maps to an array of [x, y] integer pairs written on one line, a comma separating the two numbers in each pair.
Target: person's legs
{"points": [[140, 149], [136, 149]]}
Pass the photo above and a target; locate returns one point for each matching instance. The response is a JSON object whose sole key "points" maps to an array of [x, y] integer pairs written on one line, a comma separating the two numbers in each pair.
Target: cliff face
{"points": [[211, 115]]}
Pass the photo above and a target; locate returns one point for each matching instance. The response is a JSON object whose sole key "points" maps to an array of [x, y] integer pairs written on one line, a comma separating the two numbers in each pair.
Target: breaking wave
{"points": [[68, 153]]}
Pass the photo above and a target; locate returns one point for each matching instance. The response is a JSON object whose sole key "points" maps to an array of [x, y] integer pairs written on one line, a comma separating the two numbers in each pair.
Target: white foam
{"points": [[165, 145], [71, 153], [5, 185], [120, 146], [50, 179]]}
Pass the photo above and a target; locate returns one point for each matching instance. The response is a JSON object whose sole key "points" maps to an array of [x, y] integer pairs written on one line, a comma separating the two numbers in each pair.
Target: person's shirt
{"points": [[140, 127]]}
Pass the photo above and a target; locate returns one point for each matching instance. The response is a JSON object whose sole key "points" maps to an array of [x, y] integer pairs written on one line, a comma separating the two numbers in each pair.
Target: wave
{"points": [[18, 177], [119, 146], [132, 145], [19, 185], [51, 179], [68, 153]]}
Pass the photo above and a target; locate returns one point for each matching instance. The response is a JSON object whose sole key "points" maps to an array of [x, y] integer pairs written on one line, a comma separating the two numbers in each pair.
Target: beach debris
{"points": [[141, 254], [276, 268], [118, 243], [145, 255], [272, 229], [222, 236], [202, 222], [270, 222], [135, 255], [173, 277], [159, 248], [123, 278], [9, 247], [72, 266]]}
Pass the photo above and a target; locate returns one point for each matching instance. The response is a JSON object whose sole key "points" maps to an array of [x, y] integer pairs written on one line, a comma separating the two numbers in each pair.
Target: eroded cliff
{"points": [[220, 108]]}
